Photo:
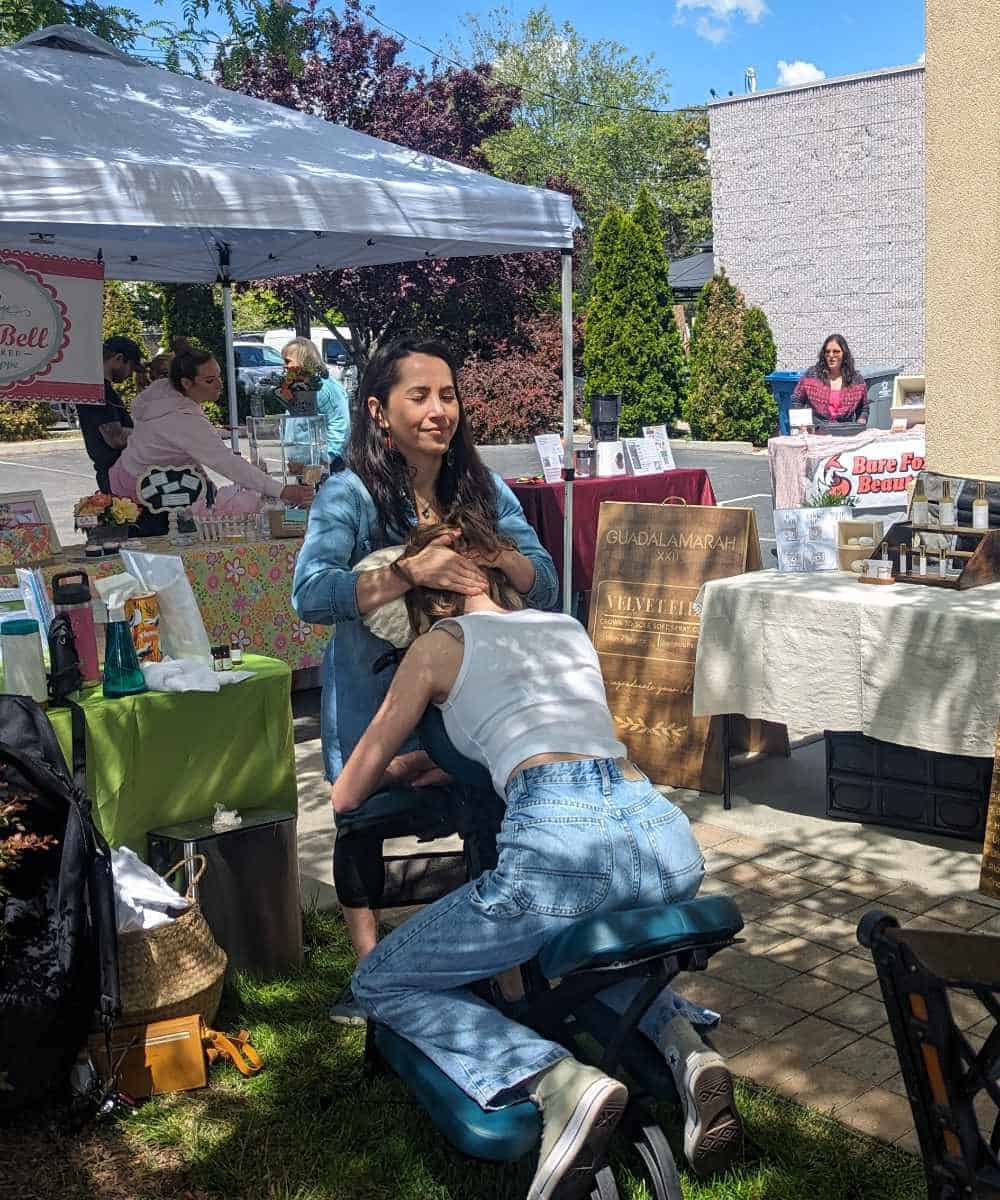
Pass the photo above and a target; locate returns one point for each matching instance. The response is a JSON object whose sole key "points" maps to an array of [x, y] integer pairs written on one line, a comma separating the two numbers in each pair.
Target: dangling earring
{"points": [[387, 434]]}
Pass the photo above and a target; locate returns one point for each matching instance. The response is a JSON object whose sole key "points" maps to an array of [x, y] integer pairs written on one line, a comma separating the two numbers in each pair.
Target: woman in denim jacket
{"points": [[412, 460]]}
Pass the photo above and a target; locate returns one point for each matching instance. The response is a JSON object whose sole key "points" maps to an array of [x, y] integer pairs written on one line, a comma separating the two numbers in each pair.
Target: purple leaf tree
{"points": [[349, 73]]}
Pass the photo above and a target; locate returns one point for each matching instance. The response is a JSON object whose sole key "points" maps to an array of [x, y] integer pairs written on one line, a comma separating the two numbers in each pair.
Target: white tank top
{"points": [[530, 683]]}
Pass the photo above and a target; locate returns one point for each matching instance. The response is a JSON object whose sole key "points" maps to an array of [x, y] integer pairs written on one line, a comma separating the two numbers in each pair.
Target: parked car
{"points": [[249, 335], [257, 366], [331, 347]]}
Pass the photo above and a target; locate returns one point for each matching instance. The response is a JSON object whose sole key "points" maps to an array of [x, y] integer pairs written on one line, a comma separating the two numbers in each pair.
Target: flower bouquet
{"points": [[105, 518], [299, 390]]}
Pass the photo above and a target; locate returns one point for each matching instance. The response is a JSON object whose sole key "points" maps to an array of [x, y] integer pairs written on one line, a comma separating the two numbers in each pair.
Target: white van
{"points": [[332, 350]]}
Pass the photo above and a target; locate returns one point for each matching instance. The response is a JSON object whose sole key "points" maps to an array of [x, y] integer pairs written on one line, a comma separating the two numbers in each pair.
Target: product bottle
{"points": [[946, 507], [981, 508], [122, 674], [235, 652], [902, 558], [922, 561], [23, 665], [71, 596], [943, 565], [918, 509]]}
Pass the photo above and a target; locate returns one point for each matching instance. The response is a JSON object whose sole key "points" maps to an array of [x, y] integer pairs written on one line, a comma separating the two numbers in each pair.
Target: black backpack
{"points": [[58, 934]]}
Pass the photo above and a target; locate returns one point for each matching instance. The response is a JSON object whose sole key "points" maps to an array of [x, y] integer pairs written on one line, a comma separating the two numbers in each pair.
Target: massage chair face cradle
{"points": [[560, 983]]}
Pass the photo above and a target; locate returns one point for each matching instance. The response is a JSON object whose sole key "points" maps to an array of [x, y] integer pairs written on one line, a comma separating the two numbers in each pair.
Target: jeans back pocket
{"points": [[679, 860], [562, 865]]}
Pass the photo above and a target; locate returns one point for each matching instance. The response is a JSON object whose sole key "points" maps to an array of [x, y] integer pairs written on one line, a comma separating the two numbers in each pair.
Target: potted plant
{"points": [[299, 390], [105, 518]]}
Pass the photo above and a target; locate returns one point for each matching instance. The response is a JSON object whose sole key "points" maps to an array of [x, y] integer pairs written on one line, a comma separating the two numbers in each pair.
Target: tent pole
{"points": [[230, 364], [568, 459], [227, 316]]}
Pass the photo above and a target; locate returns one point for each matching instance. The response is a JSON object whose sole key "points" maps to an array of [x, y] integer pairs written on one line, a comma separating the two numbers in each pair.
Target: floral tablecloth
{"points": [[243, 590]]}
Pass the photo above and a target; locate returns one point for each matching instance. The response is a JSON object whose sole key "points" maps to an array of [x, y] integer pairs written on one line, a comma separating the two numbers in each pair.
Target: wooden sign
{"points": [[650, 563], [989, 877]]}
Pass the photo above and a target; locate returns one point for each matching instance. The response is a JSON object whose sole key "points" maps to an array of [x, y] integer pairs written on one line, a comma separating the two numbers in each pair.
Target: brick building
{"points": [[818, 208]]}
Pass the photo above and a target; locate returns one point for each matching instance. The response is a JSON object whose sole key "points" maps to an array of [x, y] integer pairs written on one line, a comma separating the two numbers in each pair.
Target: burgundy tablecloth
{"points": [[543, 506]]}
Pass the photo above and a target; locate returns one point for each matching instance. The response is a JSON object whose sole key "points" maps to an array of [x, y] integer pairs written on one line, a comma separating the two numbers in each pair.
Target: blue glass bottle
{"points": [[122, 675]]}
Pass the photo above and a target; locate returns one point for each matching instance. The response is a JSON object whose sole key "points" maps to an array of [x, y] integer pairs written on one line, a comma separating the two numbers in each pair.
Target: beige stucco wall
{"points": [[963, 238]]}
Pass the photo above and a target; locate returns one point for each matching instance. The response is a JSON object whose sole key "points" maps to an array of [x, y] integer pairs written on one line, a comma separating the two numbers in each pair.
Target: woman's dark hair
{"points": [[426, 605], [464, 484], [848, 370], [185, 364]]}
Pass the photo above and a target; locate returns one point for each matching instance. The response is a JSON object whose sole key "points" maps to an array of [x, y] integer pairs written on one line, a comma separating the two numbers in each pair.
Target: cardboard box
{"points": [[847, 554], [908, 399]]}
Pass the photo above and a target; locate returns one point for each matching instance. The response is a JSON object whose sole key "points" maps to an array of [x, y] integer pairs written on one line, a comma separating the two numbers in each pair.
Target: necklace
{"points": [[425, 509]]}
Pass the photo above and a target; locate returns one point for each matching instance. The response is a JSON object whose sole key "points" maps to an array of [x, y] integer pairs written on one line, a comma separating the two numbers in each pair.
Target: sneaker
{"points": [[713, 1131], [345, 1010], [580, 1109]]}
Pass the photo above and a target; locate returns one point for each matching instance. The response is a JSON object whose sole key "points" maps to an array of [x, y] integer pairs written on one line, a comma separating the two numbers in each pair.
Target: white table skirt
{"points": [[918, 666]]}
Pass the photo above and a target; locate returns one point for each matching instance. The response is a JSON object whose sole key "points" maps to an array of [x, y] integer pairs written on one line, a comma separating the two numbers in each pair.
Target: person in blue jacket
{"points": [[331, 400], [411, 461]]}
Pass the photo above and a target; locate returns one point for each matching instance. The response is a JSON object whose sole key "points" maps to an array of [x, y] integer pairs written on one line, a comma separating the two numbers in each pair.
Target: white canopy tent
{"points": [[172, 179]]}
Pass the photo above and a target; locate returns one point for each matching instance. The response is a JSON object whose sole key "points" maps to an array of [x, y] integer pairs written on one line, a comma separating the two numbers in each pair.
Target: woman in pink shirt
{"points": [[171, 430], [834, 388]]}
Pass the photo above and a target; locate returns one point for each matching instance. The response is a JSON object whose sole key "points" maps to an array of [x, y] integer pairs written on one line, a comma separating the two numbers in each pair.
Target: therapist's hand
{"points": [[298, 494], [438, 566]]}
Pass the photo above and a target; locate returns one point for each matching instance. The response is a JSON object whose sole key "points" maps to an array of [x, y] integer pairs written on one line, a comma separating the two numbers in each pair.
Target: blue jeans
{"points": [[578, 839]]}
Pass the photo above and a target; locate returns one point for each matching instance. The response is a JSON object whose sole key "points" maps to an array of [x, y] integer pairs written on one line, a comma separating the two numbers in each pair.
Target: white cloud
{"points": [[717, 16], [792, 74], [707, 29]]}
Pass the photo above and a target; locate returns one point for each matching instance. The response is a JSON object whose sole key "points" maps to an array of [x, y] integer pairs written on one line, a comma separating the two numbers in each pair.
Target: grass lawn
{"points": [[311, 1127]]}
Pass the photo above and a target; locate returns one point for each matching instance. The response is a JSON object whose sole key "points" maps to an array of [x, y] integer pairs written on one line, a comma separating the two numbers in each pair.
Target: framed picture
{"points": [[26, 508]]}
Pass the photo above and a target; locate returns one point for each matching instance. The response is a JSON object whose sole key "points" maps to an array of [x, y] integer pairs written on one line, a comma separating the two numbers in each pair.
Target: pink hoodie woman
{"points": [[171, 430]]}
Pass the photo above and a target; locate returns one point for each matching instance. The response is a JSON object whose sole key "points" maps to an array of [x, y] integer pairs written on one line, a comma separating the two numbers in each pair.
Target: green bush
{"points": [[25, 422], [121, 320], [631, 343], [727, 398], [190, 310], [760, 341]]}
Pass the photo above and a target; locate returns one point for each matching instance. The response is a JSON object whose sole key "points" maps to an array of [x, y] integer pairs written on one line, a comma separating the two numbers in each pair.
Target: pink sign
{"points": [[50, 328]]}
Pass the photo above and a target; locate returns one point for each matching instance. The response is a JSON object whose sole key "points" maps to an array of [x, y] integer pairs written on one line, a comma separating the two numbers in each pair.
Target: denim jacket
{"points": [[343, 529]]}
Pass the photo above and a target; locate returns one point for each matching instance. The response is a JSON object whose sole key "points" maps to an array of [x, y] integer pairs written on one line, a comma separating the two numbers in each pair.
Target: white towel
{"points": [[188, 675]]}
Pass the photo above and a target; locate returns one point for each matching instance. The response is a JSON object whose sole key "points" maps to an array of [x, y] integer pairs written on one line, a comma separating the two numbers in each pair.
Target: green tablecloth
{"points": [[165, 757]]}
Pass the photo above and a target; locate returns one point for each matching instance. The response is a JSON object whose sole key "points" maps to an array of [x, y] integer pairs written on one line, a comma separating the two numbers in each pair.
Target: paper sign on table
{"points": [[550, 451], [642, 456], [659, 435], [807, 538], [610, 459], [800, 418]]}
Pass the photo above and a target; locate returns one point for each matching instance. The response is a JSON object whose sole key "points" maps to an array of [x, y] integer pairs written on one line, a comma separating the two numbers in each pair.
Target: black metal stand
{"points": [[944, 1076], [727, 762]]}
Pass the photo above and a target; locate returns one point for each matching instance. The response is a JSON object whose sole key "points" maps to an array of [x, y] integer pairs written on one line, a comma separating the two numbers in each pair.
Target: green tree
{"points": [[120, 320], [258, 308], [674, 364], [585, 117], [760, 341], [190, 310], [727, 398], [625, 348]]}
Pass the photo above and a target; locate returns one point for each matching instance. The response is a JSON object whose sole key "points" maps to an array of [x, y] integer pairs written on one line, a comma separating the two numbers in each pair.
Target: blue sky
{"points": [[701, 43]]}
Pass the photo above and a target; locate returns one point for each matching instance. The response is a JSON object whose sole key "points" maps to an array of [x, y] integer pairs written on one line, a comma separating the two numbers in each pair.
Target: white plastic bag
{"points": [[143, 900], [182, 631]]}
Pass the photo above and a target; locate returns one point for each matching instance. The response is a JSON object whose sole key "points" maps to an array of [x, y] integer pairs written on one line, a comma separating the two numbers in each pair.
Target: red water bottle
{"points": [[71, 596]]}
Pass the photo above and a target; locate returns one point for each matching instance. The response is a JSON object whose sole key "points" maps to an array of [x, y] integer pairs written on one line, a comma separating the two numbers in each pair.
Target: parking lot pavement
{"points": [[61, 469]]}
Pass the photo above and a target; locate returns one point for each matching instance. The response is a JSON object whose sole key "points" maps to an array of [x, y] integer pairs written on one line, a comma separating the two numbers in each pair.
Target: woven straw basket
{"points": [[174, 970]]}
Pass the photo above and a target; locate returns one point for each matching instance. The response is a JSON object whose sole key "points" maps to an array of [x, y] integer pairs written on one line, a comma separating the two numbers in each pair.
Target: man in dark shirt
{"points": [[105, 427]]}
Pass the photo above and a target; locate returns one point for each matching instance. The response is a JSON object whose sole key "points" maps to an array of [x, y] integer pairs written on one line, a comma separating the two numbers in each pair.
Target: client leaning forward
{"points": [[584, 832]]}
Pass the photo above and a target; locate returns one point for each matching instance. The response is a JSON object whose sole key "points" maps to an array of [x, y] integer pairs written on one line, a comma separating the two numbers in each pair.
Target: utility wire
{"points": [[461, 66]]}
